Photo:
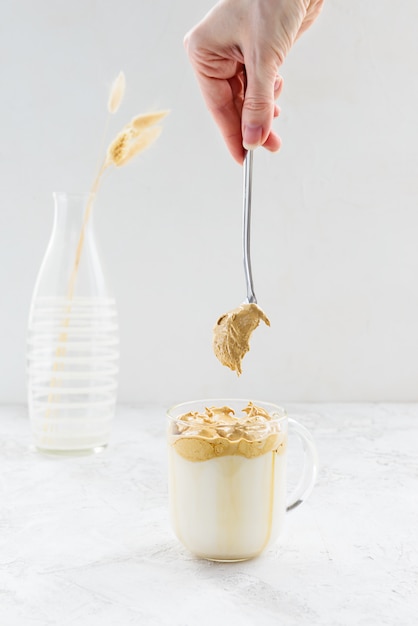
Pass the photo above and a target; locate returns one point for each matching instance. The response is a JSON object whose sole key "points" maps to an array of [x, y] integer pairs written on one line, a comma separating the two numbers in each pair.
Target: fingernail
{"points": [[252, 136], [277, 83]]}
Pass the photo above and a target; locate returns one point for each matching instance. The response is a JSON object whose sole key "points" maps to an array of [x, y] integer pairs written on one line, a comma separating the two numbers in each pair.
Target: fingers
{"points": [[278, 86], [263, 87], [219, 77], [224, 102], [273, 142], [221, 81]]}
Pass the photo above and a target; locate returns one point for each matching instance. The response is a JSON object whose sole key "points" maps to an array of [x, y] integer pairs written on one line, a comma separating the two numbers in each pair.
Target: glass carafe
{"points": [[73, 337]]}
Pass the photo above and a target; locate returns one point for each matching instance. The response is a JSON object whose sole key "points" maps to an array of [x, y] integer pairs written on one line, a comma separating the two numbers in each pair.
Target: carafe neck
{"points": [[72, 212]]}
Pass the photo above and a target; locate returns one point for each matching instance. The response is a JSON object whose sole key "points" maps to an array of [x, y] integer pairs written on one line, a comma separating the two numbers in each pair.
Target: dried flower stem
{"points": [[80, 243], [135, 137]]}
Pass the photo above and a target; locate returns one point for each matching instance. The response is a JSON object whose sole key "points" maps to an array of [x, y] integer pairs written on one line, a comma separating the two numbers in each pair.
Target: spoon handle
{"points": [[248, 172]]}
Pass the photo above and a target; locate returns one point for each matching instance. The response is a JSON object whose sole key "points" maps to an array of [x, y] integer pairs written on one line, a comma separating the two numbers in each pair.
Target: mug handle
{"points": [[310, 469]]}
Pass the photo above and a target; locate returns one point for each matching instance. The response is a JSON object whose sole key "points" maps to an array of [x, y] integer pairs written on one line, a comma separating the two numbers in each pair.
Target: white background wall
{"points": [[335, 254]]}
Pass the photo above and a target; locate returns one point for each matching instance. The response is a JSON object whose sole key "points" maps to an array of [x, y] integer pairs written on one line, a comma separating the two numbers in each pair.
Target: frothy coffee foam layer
{"points": [[219, 432]]}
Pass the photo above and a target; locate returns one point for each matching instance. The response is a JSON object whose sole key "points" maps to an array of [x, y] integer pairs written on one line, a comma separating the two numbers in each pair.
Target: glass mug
{"points": [[227, 481]]}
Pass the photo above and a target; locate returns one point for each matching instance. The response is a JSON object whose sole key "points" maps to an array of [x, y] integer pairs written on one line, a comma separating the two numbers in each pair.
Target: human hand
{"points": [[236, 51]]}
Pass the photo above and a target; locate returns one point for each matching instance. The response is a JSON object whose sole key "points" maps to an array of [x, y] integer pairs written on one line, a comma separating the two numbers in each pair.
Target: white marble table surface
{"points": [[86, 540]]}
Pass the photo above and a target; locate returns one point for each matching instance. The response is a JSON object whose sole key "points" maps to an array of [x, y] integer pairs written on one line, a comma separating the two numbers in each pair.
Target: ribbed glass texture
{"points": [[73, 337]]}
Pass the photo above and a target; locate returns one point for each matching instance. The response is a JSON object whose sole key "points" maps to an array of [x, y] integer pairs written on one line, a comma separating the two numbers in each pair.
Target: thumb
{"points": [[258, 108]]}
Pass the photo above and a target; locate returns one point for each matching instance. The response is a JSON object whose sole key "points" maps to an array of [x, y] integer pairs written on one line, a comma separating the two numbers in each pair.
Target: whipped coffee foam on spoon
{"points": [[232, 332]]}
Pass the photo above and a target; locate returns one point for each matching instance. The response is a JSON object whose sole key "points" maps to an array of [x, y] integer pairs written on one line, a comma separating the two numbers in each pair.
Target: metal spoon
{"points": [[248, 173], [232, 331]]}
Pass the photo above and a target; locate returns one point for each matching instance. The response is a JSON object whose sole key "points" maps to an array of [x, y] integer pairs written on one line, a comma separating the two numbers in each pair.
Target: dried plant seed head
{"points": [[140, 143], [117, 149], [117, 92], [140, 122], [135, 137]]}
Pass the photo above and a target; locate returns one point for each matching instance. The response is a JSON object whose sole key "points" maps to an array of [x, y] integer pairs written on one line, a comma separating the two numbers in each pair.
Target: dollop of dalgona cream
{"points": [[231, 334], [219, 432]]}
